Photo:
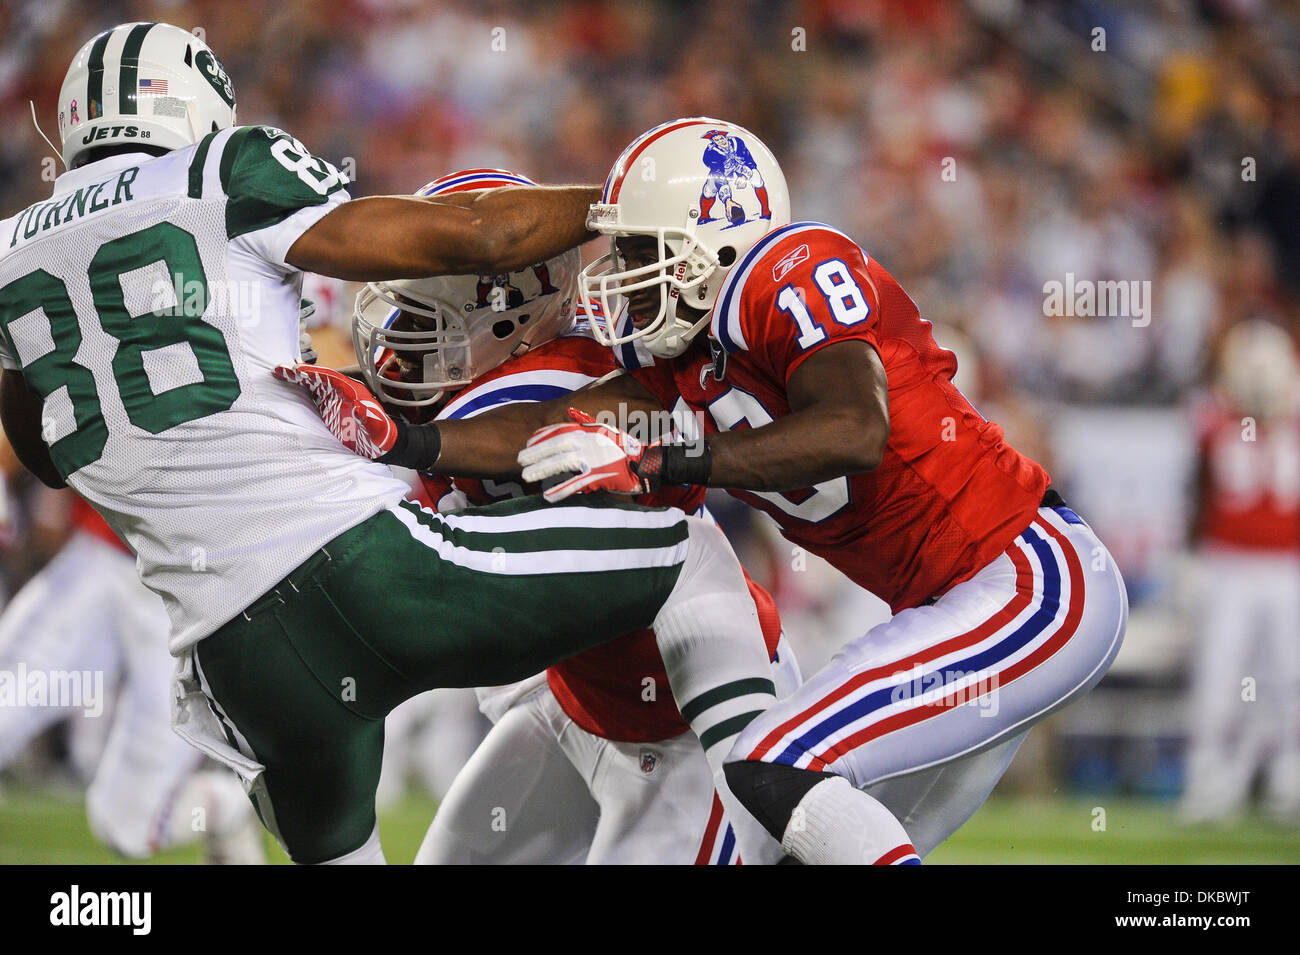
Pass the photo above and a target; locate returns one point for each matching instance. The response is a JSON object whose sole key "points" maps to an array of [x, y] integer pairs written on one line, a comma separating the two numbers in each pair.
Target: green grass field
{"points": [[41, 828]]}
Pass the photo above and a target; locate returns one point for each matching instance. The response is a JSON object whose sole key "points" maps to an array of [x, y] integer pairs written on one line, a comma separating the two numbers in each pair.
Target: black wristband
{"points": [[417, 446], [676, 464]]}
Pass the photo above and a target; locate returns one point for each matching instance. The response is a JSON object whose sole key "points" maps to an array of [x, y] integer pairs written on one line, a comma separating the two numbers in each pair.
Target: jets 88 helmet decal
{"points": [[143, 84], [706, 191]]}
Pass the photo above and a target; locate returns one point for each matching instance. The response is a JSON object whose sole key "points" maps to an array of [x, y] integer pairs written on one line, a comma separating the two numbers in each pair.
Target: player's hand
{"points": [[351, 412], [588, 455]]}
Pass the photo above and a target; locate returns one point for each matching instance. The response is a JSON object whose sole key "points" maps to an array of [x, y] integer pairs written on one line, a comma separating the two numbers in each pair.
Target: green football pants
{"points": [[407, 601]]}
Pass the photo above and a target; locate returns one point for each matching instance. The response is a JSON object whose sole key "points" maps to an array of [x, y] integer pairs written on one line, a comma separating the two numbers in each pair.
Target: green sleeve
{"points": [[267, 176]]}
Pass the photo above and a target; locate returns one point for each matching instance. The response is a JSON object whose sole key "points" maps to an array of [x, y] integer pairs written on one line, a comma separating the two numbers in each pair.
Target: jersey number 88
{"points": [[41, 299]]}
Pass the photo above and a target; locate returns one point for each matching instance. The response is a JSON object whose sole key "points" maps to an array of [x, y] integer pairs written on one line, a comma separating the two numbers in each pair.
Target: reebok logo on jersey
{"points": [[781, 268], [75, 907]]}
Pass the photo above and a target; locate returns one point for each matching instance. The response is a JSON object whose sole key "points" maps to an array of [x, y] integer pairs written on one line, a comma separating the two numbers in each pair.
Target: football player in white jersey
{"points": [[143, 308]]}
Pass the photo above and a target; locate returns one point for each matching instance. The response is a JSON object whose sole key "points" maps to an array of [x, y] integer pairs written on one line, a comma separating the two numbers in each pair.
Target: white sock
{"points": [[717, 663], [837, 824]]}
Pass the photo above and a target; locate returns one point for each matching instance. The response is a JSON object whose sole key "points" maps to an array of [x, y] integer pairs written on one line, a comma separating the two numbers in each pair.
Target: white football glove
{"points": [[592, 456]]}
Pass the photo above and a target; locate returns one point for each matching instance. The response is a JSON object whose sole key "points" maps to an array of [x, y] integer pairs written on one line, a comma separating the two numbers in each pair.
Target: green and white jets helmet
{"points": [[143, 84]]}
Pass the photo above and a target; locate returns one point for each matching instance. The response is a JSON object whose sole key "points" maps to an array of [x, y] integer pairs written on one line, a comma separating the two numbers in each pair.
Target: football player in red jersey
{"points": [[594, 762], [1246, 532], [828, 404]]}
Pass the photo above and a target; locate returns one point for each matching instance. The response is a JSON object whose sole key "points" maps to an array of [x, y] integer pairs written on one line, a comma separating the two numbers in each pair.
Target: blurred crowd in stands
{"points": [[978, 149]]}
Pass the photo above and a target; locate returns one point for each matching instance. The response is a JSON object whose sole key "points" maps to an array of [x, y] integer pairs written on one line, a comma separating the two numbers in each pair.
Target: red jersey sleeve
{"points": [[802, 288]]}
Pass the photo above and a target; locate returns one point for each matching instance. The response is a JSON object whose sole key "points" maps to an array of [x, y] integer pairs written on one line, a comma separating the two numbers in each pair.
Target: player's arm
{"points": [[838, 424], [291, 209], [20, 413], [487, 445], [821, 341], [392, 237]]}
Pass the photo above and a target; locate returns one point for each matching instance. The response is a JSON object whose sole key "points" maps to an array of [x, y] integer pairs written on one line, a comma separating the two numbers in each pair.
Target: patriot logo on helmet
{"points": [[732, 169]]}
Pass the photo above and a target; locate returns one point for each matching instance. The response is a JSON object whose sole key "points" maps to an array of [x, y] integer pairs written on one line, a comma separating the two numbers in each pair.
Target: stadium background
{"points": [[977, 149]]}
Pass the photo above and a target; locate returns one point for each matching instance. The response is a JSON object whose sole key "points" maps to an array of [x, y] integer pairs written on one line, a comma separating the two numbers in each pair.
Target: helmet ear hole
{"points": [[726, 256], [503, 329], [189, 56]]}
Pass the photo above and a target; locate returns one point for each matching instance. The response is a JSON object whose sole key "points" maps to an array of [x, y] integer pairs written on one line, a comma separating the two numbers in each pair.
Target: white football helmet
{"points": [[143, 83], [707, 191], [457, 328], [1259, 369]]}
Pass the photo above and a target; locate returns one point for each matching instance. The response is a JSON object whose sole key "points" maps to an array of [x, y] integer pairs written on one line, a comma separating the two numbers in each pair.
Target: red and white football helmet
{"points": [[467, 325], [707, 191]]}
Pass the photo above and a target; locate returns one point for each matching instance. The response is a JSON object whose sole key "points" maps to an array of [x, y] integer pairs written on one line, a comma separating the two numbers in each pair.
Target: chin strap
{"points": [[58, 153]]}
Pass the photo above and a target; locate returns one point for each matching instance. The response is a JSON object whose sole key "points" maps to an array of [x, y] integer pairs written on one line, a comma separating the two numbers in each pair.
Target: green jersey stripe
{"points": [[578, 537], [569, 539], [728, 691], [585, 502], [727, 728], [95, 83], [128, 83], [533, 513], [197, 162], [556, 517], [499, 561], [228, 155]]}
